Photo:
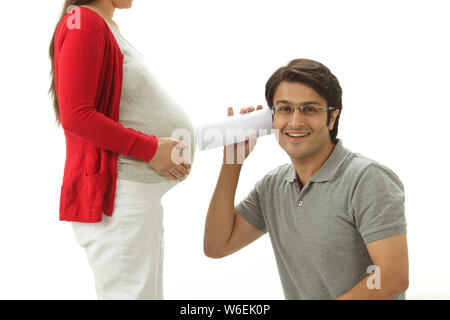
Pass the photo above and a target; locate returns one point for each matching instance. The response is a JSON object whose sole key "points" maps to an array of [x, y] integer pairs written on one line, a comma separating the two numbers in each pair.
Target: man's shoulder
{"points": [[359, 165]]}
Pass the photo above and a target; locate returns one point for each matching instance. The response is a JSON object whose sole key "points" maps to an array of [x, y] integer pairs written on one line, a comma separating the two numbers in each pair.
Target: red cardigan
{"points": [[88, 74]]}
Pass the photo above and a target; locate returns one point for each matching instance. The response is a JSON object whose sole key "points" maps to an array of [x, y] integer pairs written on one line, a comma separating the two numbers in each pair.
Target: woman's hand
{"points": [[232, 154], [167, 160]]}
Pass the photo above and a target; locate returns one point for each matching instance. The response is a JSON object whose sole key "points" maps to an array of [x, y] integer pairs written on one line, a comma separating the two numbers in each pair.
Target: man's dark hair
{"points": [[315, 75]]}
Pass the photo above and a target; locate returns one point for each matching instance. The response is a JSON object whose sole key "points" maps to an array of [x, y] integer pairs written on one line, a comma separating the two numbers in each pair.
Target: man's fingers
{"points": [[244, 110]]}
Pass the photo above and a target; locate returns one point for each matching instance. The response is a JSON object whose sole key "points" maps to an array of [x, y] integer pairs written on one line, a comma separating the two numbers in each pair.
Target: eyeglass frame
{"points": [[327, 108]]}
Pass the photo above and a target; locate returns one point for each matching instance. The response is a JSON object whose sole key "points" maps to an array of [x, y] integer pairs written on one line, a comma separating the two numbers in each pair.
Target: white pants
{"points": [[125, 251]]}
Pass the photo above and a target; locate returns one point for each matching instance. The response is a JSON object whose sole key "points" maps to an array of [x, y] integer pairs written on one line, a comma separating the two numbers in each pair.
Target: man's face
{"points": [[296, 94]]}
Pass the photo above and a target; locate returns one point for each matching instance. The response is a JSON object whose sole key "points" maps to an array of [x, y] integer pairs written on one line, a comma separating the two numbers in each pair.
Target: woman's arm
{"points": [[79, 56]]}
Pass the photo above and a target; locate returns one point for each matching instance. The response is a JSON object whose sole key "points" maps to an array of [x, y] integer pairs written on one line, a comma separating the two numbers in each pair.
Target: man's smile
{"points": [[297, 136]]}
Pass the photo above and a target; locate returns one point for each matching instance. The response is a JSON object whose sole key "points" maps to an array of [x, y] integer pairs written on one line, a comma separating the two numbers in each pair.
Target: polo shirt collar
{"points": [[329, 168], [291, 174]]}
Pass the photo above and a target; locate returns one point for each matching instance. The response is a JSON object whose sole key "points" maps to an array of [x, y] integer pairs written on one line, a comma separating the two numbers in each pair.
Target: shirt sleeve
{"points": [[80, 59], [250, 208], [378, 204]]}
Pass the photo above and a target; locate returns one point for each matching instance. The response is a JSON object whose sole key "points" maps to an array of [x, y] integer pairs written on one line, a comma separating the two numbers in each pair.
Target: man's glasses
{"points": [[306, 110]]}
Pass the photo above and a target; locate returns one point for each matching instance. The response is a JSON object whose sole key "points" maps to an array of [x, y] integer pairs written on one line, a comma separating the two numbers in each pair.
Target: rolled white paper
{"points": [[234, 129]]}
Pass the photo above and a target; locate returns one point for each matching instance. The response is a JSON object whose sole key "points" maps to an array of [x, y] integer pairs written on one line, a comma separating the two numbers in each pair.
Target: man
{"points": [[335, 218]]}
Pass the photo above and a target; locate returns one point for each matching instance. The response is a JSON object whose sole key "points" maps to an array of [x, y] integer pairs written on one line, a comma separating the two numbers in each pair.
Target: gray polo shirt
{"points": [[319, 232]]}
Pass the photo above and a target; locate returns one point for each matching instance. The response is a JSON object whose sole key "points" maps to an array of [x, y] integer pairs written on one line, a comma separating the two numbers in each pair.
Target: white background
{"points": [[392, 60]]}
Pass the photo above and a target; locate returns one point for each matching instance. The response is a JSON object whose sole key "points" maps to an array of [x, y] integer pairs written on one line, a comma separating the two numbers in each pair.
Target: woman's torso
{"points": [[145, 106]]}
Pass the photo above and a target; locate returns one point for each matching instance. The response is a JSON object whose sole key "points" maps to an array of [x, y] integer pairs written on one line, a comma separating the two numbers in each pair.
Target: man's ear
{"points": [[334, 115]]}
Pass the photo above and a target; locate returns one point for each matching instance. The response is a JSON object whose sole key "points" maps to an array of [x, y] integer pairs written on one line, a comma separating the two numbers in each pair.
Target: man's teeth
{"points": [[297, 135]]}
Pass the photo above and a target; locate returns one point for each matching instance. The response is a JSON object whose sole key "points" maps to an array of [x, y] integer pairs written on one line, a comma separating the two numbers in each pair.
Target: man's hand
{"points": [[238, 152], [167, 160]]}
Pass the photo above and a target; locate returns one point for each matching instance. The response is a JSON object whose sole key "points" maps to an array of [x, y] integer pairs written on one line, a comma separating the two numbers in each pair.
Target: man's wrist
{"points": [[232, 167]]}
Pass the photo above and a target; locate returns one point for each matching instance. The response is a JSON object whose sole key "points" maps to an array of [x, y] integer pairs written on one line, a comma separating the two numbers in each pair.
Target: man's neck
{"points": [[307, 168]]}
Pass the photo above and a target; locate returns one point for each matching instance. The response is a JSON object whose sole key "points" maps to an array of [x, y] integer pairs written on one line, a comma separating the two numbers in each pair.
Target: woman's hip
{"points": [[137, 215]]}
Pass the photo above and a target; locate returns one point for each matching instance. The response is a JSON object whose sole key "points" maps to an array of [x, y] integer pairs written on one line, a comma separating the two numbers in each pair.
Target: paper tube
{"points": [[234, 129]]}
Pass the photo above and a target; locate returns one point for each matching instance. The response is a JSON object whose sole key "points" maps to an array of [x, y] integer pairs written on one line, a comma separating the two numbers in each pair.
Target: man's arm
{"points": [[391, 256], [225, 230]]}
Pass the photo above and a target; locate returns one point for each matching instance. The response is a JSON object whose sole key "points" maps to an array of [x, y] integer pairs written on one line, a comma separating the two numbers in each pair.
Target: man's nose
{"points": [[297, 116]]}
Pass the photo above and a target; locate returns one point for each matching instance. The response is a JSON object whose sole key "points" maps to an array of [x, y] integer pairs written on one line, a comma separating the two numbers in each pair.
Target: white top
{"points": [[146, 107]]}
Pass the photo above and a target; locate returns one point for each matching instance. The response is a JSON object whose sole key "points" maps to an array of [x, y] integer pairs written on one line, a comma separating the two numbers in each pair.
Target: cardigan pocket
{"points": [[93, 188]]}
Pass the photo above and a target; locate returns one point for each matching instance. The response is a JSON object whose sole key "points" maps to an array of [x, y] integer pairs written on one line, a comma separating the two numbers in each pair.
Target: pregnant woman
{"points": [[120, 155]]}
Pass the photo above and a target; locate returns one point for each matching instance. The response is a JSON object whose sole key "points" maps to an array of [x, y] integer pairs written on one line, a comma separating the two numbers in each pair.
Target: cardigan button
{"points": [[300, 203]]}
